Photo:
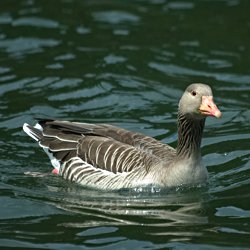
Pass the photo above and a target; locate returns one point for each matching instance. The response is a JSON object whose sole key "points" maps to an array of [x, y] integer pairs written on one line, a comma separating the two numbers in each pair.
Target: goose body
{"points": [[107, 157]]}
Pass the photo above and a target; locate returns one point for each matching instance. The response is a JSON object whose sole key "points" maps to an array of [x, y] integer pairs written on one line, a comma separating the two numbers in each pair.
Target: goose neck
{"points": [[190, 132]]}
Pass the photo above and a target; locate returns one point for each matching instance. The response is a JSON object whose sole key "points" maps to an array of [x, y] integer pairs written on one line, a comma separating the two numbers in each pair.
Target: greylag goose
{"points": [[107, 157]]}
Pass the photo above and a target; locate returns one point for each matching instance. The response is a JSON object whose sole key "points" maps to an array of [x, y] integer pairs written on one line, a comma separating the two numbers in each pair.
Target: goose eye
{"points": [[193, 93]]}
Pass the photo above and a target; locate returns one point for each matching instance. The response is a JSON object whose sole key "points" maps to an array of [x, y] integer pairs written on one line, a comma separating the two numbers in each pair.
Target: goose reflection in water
{"points": [[158, 213]]}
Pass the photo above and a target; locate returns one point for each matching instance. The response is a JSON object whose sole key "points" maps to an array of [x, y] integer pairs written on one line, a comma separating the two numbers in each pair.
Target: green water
{"points": [[124, 63]]}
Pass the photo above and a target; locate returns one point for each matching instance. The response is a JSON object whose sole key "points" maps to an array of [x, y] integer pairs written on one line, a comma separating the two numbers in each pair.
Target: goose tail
{"points": [[36, 133]]}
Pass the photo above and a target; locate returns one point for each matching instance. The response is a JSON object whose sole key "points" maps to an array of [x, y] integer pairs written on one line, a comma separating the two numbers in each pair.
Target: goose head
{"points": [[197, 102]]}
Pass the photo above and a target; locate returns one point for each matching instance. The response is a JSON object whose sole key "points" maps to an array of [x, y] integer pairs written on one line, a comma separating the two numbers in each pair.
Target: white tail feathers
{"points": [[28, 131], [36, 133]]}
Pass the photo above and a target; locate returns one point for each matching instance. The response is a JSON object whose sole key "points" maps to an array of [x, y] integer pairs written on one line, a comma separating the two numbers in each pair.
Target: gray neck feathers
{"points": [[189, 137]]}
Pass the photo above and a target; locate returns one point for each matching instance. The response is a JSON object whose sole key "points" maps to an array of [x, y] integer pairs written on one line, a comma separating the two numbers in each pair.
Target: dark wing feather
{"points": [[65, 156]]}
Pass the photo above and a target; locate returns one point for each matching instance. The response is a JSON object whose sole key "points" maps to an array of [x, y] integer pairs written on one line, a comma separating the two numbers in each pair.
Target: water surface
{"points": [[125, 64]]}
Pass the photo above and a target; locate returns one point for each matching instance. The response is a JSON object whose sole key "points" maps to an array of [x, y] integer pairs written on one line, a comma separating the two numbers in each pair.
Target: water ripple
{"points": [[25, 45], [172, 69], [35, 21], [115, 17]]}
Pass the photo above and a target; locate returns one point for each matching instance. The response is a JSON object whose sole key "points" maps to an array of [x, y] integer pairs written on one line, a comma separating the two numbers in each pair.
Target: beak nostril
{"points": [[209, 106]]}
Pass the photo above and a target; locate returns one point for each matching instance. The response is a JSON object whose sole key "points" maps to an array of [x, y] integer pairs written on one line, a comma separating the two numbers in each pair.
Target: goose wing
{"points": [[66, 141], [145, 143]]}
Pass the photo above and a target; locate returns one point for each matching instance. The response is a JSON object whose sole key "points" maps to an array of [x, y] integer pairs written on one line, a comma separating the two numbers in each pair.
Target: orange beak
{"points": [[208, 107]]}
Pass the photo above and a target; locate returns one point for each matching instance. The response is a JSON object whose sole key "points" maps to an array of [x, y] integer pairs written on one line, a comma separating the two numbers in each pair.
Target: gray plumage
{"points": [[107, 157]]}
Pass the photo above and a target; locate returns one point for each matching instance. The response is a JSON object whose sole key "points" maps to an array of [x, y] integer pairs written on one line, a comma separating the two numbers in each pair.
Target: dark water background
{"points": [[125, 63]]}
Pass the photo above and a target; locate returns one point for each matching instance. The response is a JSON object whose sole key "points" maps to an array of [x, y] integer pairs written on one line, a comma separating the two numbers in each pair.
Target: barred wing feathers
{"points": [[100, 156], [140, 141]]}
